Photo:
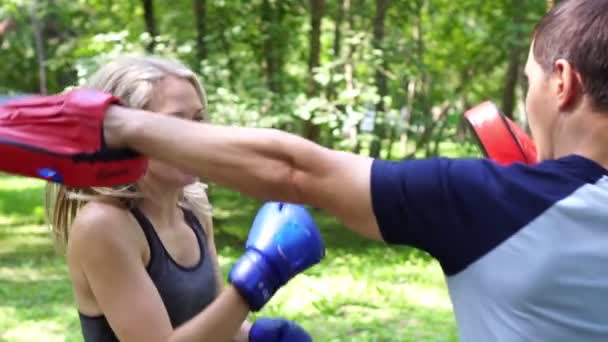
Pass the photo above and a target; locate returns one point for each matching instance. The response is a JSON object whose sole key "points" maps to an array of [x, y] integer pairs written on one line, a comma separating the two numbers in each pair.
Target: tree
{"points": [[516, 55], [200, 20], [380, 76], [150, 21], [312, 130], [40, 49], [272, 15], [336, 46]]}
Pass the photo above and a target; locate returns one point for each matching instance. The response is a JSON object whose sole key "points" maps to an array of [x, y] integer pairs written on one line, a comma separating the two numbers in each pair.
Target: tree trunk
{"points": [[40, 49], [269, 66], [427, 134], [200, 20], [148, 6], [337, 44], [512, 75], [316, 14], [407, 114], [437, 143], [315, 44], [380, 75], [337, 49], [416, 87], [381, 8], [511, 78], [349, 72], [392, 135], [271, 45], [226, 50]]}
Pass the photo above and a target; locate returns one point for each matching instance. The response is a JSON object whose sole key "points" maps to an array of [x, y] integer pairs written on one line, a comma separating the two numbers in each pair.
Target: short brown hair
{"points": [[577, 30]]}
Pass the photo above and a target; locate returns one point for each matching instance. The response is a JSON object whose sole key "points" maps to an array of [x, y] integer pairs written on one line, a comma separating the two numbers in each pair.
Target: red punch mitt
{"points": [[500, 138], [59, 138]]}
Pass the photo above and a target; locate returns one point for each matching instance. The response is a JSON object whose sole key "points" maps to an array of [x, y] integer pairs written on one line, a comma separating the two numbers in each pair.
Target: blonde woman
{"points": [[142, 257]]}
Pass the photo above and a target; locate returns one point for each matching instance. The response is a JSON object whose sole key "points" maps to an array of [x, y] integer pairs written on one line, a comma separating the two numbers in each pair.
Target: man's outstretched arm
{"points": [[264, 163]]}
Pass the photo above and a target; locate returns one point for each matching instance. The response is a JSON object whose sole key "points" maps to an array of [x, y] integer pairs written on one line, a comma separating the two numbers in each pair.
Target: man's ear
{"points": [[568, 85]]}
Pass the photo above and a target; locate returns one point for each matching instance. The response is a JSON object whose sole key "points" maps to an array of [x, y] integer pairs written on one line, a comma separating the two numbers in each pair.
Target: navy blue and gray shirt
{"points": [[524, 248]]}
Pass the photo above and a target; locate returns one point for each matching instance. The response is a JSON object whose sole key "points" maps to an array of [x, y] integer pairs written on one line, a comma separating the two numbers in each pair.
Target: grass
{"points": [[362, 290]]}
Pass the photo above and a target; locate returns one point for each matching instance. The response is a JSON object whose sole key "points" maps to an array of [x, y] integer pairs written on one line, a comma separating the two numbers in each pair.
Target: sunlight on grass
{"points": [[344, 290], [35, 331], [27, 274], [8, 182], [359, 297]]}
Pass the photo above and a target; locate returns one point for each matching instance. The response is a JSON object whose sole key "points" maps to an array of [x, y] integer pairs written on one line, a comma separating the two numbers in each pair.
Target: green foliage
{"points": [[436, 54]]}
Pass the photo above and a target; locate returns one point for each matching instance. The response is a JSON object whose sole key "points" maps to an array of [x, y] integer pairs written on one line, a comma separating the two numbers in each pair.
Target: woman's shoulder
{"points": [[102, 225], [100, 214]]}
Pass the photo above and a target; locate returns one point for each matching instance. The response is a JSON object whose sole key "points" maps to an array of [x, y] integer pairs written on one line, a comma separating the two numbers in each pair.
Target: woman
{"points": [[158, 267]]}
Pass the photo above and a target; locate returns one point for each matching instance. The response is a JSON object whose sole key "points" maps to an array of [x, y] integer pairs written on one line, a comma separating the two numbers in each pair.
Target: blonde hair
{"points": [[132, 79]]}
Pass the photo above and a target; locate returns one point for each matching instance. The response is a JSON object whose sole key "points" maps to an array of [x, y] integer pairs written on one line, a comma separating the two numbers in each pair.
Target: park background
{"points": [[383, 78]]}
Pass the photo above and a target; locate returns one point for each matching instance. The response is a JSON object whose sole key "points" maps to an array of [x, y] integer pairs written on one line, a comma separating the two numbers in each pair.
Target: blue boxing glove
{"points": [[277, 330], [283, 241]]}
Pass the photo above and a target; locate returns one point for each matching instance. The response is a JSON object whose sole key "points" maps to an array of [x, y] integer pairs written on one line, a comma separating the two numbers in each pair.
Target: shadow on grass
{"points": [[44, 295], [30, 254]]}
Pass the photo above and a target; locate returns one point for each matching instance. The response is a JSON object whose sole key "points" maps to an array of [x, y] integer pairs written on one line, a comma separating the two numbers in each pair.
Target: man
{"points": [[523, 247]]}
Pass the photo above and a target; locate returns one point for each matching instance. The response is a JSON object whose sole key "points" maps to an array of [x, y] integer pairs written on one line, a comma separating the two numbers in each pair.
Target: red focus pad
{"points": [[60, 138], [500, 138]]}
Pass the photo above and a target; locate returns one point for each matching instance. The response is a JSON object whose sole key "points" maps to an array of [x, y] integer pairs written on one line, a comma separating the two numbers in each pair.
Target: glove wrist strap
{"points": [[254, 278]]}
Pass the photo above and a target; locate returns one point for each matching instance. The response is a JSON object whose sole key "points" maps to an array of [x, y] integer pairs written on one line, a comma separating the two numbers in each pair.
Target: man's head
{"points": [[567, 70]]}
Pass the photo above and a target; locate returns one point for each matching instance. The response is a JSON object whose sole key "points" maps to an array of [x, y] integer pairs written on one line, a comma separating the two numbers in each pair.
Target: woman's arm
{"points": [[101, 247], [220, 321], [243, 332], [207, 220]]}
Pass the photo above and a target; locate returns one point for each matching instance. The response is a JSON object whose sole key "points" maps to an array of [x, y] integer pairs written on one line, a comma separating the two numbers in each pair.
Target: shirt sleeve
{"points": [[459, 209]]}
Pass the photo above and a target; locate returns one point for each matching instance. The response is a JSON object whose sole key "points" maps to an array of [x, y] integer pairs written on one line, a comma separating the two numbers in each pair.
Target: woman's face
{"points": [[176, 97]]}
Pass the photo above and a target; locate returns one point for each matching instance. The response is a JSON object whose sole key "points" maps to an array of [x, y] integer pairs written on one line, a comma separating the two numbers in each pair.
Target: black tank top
{"points": [[185, 291]]}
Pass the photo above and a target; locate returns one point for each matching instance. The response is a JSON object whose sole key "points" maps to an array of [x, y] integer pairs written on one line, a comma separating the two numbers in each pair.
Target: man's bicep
{"points": [[450, 208], [409, 201], [413, 203], [340, 185]]}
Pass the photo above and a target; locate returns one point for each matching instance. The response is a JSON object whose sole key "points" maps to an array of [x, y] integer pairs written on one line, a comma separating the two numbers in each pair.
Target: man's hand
{"points": [[59, 138]]}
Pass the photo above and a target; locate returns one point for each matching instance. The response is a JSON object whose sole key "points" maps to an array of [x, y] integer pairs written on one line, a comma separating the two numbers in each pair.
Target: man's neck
{"points": [[586, 135]]}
